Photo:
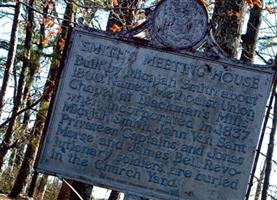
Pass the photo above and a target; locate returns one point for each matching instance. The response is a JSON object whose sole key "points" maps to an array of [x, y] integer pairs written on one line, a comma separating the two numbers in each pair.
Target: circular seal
{"points": [[180, 24]]}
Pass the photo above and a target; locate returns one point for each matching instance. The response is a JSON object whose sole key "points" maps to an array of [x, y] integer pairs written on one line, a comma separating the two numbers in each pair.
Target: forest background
{"points": [[32, 39]]}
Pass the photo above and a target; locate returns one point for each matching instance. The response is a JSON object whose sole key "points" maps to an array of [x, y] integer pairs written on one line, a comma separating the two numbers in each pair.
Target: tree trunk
{"points": [[21, 135], [41, 187], [24, 170], [65, 191], [83, 189], [269, 153], [49, 87], [11, 55], [7, 176], [26, 61], [33, 184], [249, 39], [11, 163], [114, 195], [228, 18]]}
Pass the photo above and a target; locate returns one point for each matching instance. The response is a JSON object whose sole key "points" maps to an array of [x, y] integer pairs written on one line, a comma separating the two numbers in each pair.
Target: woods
{"points": [[30, 70]]}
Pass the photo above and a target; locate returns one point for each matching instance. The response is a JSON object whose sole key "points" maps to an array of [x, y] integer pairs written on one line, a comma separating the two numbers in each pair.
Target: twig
{"points": [[261, 57], [21, 111], [4, 147], [272, 197], [107, 7], [266, 156], [49, 15], [7, 6]]}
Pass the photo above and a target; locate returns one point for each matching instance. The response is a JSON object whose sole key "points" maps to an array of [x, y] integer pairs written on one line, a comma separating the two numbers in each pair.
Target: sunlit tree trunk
{"points": [[249, 39], [41, 187], [228, 17], [11, 163]]}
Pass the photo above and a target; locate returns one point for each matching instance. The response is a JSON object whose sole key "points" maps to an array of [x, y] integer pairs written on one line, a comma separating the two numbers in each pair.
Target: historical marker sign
{"points": [[160, 124]]}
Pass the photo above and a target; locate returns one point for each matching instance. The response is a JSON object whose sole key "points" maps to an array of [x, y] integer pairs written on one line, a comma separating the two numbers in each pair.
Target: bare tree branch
{"points": [[4, 147], [265, 156], [21, 111], [7, 6], [4, 44]]}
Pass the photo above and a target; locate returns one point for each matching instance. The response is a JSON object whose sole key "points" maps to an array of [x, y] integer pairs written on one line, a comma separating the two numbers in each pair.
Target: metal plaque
{"points": [[180, 24], [155, 123]]}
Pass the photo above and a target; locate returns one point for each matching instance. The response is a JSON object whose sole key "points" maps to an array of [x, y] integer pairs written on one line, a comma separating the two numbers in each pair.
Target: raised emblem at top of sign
{"points": [[180, 24]]}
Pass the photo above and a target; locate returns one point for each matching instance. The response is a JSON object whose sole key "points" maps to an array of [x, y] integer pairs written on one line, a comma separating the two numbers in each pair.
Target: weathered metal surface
{"points": [[180, 24], [129, 196], [156, 123]]}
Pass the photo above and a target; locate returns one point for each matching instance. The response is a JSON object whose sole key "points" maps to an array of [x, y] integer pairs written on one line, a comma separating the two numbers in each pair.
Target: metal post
{"points": [[250, 184]]}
